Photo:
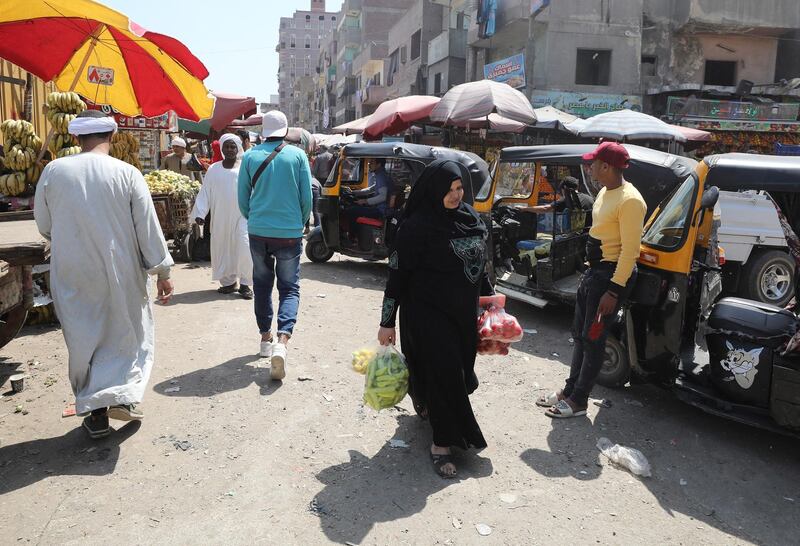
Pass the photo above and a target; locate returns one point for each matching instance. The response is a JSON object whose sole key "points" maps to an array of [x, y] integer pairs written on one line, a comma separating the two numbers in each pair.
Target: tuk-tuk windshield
{"points": [[351, 170], [669, 228], [514, 180]]}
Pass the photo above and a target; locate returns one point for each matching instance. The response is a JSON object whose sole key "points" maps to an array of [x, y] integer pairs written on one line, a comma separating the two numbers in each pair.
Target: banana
{"points": [[72, 150]]}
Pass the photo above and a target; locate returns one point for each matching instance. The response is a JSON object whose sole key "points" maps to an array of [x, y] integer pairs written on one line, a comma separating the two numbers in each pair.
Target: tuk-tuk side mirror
{"points": [[710, 198]]}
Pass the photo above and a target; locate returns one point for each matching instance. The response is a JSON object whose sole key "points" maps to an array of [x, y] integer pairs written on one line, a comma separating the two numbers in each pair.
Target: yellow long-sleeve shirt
{"points": [[617, 222]]}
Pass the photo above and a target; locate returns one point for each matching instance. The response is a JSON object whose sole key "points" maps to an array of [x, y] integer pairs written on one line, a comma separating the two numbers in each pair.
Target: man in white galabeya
{"points": [[275, 197], [105, 235], [230, 249]]}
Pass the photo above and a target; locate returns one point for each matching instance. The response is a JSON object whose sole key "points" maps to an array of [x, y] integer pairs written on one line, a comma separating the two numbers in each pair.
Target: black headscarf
{"points": [[426, 201]]}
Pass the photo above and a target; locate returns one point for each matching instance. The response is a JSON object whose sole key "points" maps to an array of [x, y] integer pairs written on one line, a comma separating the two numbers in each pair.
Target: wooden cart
{"points": [[22, 247], [173, 215]]}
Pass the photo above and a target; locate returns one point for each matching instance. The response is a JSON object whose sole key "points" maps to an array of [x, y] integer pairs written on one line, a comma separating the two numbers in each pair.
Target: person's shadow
{"points": [[392, 484], [233, 375], [199, 297], [564, 458], [73, 454]]}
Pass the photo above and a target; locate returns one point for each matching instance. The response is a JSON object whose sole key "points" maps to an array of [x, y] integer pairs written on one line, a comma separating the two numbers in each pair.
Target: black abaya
{"points": [[436, 274]]}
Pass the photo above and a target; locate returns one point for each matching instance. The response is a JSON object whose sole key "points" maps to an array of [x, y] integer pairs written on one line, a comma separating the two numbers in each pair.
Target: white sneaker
{"points": [[277, 369], [266, 349]]}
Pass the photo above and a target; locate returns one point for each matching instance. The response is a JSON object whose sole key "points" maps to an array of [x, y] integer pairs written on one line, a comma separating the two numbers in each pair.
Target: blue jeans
{"points": [[269, 261]]}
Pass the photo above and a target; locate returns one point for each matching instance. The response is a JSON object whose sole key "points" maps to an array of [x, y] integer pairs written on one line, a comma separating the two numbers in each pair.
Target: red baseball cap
{"points": [[612, 153]]}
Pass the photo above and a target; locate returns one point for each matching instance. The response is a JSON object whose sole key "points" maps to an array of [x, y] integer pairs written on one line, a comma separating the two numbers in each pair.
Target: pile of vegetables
{"points": [[175, 185]]}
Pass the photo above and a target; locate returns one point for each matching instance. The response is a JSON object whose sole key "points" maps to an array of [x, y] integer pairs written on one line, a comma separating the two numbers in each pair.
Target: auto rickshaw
{"points": [[539, 258], [749, 376], [349, 180]]}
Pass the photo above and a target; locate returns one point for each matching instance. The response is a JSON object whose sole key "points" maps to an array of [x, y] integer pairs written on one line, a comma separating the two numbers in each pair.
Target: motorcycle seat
{"points": [[757, 319]]}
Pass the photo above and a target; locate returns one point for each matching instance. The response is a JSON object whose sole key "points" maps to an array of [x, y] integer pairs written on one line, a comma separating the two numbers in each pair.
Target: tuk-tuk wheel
{"points": [[616, 368], [11, 323], [318, 252]]}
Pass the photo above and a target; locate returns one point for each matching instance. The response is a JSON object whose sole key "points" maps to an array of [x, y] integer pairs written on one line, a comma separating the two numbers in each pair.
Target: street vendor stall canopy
{"points": [[492, 122], [354, 127], [479, 99], [99, 53], [397, 115], [629, 125], [227, 107]]}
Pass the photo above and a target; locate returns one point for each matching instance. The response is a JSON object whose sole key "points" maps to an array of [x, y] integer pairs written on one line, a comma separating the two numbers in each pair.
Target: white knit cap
{"points": [[178, 141]]}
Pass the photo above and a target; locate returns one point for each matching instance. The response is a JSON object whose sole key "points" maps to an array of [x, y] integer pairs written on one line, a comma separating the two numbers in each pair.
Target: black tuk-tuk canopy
{"points": [[655, 174], [735, 172], [477, 167]]}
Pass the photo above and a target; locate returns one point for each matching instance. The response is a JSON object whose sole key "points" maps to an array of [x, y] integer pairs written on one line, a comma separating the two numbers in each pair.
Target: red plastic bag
{"points": [[491, 347], [495, 324]]}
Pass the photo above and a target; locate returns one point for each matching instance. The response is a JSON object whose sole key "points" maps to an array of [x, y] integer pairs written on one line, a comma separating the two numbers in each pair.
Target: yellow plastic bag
{"points": [[386, 383]]}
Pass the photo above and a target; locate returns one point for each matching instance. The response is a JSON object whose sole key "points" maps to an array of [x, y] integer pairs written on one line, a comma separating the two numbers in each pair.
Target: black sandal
{"points": [[230, 289], [439, 461]]}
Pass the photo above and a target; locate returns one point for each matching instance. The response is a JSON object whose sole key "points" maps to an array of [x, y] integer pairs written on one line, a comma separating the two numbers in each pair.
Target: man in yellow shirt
{"points": [[612, 250]]}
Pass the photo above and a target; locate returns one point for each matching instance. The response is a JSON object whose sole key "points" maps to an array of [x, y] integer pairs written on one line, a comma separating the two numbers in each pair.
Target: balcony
{"points": [[373, 95], [511, 25], [450, 43], [768, 17], [349, 36]]}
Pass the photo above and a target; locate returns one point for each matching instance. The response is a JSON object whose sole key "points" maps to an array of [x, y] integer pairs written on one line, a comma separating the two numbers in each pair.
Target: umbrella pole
{"points": [[92, 42]]}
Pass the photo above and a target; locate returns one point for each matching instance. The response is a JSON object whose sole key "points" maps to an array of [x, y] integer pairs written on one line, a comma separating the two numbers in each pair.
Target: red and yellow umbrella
{"points": [[99, 53]]}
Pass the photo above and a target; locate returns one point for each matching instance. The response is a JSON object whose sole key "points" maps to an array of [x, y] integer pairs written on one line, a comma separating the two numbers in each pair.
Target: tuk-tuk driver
{"points": [[612, 250], [379, 186]]}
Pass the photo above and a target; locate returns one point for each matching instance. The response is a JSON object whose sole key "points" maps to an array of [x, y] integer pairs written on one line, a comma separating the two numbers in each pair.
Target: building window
{"points": [[648, 66], [403, 54], [321, 17], [283, 45], [393, 61], [292, 41], [593, 67], [722, 73], [333, 18], [308, 21], [415, 44], [308, 42], [437, 83]]}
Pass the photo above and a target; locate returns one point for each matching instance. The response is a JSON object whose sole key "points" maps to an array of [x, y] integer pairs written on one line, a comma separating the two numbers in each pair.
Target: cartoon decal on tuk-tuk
{"points": [[347, 225], [750, 376], [539, 208]]}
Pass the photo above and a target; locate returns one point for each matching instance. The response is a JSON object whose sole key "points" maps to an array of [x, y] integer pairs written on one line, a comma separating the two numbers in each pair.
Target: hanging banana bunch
{"points": [[62, 108], [22, 147], [125, 147], [12, 184]]}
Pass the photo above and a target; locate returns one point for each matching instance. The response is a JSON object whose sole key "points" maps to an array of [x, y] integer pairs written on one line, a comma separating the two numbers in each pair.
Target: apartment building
{"points": [[299, 42]]}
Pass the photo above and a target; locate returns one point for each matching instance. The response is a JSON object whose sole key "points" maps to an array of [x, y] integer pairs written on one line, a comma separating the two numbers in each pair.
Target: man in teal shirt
{"points": [[277, 205]]}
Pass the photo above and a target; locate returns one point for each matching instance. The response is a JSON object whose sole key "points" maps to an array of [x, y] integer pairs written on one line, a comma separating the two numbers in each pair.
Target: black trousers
{"points": [[588, 354]]}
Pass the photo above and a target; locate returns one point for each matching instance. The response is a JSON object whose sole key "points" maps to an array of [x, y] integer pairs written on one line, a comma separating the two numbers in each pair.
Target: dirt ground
{"points": [[235, 458]]}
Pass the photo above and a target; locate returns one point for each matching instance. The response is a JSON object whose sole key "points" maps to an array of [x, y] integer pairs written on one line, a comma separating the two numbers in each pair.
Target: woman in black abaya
{"points": [[436, 274]]}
